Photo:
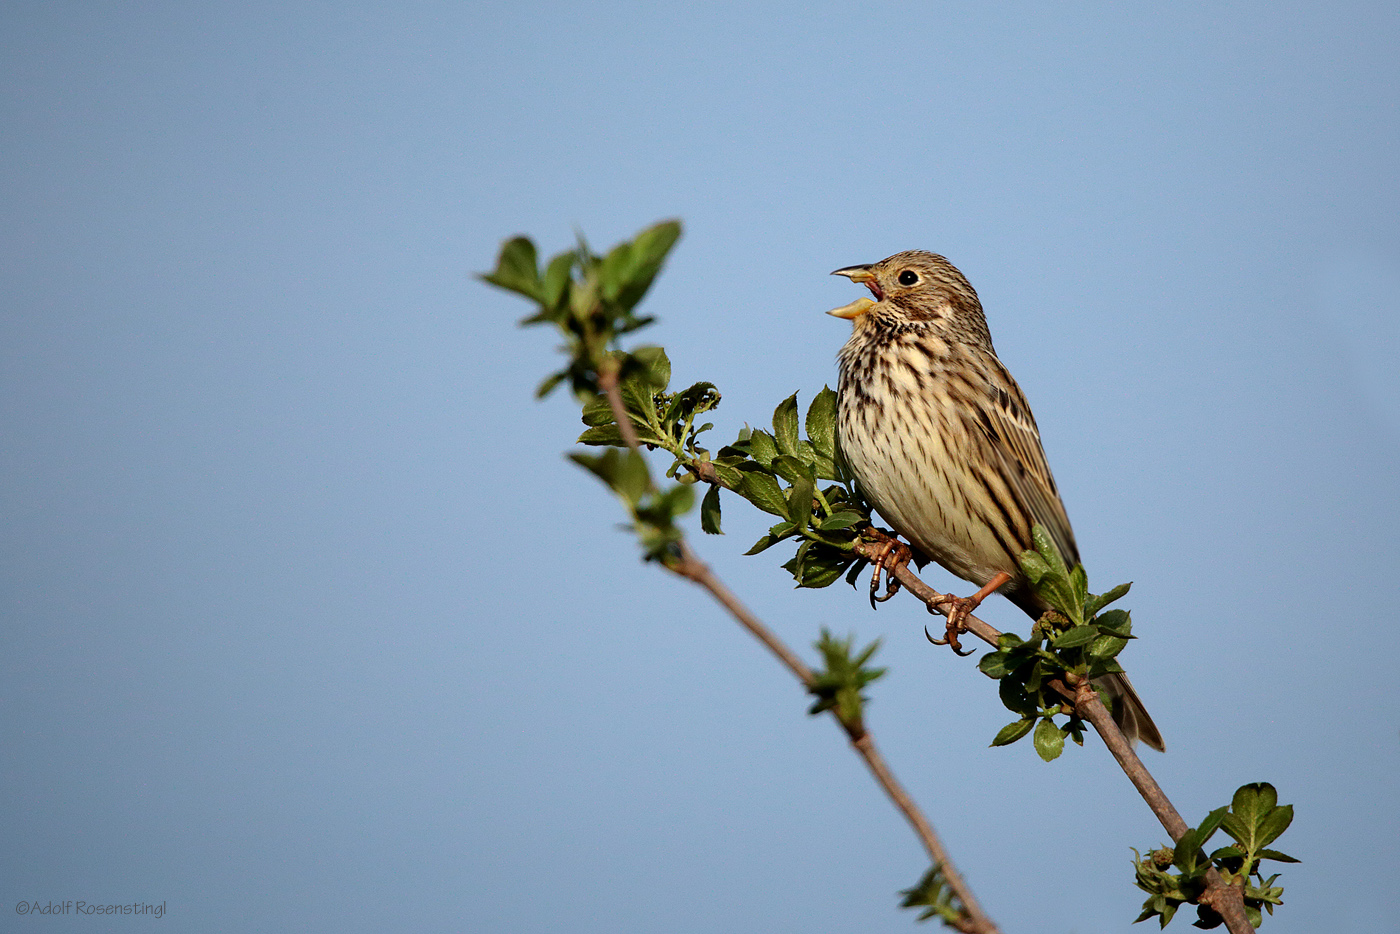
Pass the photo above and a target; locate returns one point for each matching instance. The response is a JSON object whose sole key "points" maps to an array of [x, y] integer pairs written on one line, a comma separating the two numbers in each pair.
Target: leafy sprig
{"points": [[840, 686], [590, 298], [1254, 819], [1076, 641], [936, 898], [781, 473]]}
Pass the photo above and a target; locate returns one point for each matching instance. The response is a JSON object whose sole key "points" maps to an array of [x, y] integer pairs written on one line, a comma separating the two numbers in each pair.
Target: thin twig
{"points": [[976, 920], [607, 381], [693, 569]]}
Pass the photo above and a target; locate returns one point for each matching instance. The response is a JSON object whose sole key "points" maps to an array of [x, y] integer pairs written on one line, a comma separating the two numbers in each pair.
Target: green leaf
{"points": [[615, 270], [1115, 623], [1232, 851], [821, 422], [650, 247], [1211, 824], [1104, 666], [1252, 802], [729, 476], [598, 411], [1045, 547], [583, 297], [517, 269], [936, 898], [993, 664], [1049, 740], [776, 534], [624, 471], [785, 425], [762, 447], [822, 571], [791, 468], [556, 279], [1079, 583], [1276, 855], [800, 501], [603, 466], [1033, 566], [1013, 731], [549, 382], [655, 367], [1105, 647], [690, 402], [637, 397], [603, 434], [839, 686], [1075, 637], [648, 251], [709, 512], [1255, 819], [1273, 826], [633, 478], [763, 491], [826, 467], [678, 500], [841, 519], [1096, 603], [1015, 698]]}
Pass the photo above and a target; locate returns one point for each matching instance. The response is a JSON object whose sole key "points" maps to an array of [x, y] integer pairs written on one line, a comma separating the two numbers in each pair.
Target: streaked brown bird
{"points": [[942, 442]]}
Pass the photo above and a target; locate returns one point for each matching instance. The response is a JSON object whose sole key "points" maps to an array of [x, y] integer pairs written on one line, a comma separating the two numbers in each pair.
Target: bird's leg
{"points": [[959, 609], [893, 554]]}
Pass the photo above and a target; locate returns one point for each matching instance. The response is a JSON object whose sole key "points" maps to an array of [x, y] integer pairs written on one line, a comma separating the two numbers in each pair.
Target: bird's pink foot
{"points": [[959, 609]]}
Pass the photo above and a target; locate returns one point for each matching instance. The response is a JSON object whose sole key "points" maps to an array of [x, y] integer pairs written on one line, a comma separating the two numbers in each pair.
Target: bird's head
{"points": [[914, 287]]}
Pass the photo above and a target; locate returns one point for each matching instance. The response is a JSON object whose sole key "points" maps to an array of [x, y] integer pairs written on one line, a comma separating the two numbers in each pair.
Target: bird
{"points": [[942, 443]]}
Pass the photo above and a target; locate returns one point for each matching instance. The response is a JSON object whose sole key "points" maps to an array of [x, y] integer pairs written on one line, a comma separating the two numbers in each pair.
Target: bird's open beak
{"points": [[861, 305], [854, 310]]}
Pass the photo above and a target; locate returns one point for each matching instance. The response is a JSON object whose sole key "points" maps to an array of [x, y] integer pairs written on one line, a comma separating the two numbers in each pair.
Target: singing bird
{"points": [[942, 442]]}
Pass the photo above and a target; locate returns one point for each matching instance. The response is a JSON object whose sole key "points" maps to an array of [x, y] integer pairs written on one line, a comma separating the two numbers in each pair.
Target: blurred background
{"points": [[310, 625]]}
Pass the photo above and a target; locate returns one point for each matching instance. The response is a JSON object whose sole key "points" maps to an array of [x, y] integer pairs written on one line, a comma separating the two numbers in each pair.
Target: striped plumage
{"points": [[941, 440]]}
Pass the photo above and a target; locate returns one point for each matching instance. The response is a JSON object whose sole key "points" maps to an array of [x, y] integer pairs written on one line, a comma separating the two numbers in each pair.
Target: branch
{"points": [[693, 569], [1225, 899], [976, 921], [607, 381]]}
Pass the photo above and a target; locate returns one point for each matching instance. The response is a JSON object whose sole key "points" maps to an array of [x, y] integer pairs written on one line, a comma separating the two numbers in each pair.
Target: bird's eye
{"points": [[908, 277]]}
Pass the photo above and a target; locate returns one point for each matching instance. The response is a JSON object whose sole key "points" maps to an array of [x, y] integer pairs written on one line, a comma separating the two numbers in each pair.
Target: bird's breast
{"points": [[908, 445]]}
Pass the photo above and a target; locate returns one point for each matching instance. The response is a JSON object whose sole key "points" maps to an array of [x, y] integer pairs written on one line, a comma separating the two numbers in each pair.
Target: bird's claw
{"points": [[957, 613], [893, 554], [959, 609]]}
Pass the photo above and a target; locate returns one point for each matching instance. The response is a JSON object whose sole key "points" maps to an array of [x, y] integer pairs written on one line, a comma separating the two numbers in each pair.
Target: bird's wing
{"points": [[1015, 440]]}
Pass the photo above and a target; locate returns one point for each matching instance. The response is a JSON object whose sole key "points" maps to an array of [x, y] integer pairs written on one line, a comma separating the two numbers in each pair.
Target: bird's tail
{"points": [[1129, 713]]}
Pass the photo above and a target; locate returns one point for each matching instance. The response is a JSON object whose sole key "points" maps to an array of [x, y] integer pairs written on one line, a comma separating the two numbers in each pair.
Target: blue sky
{"points": [[312, 626]]}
